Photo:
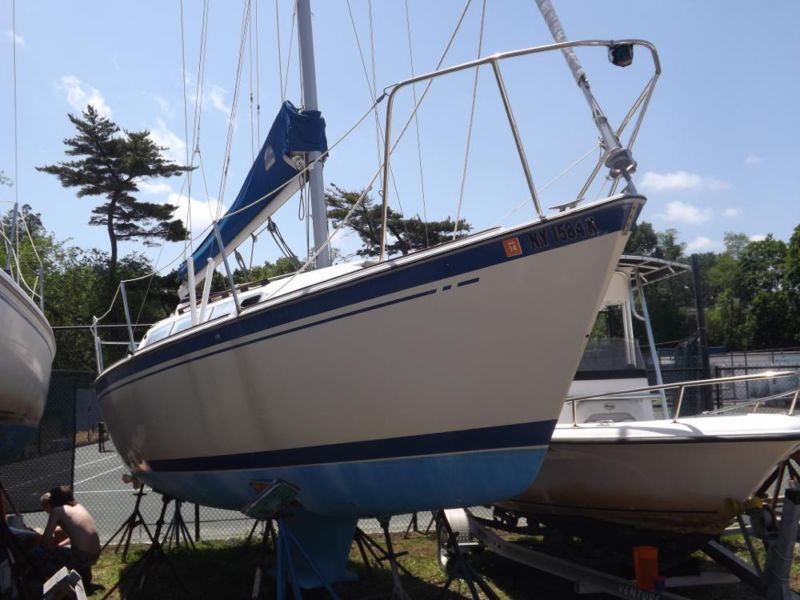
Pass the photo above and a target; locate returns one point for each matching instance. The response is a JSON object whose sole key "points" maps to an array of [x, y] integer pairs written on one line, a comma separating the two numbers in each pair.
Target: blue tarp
{"points": [[292, 131]]}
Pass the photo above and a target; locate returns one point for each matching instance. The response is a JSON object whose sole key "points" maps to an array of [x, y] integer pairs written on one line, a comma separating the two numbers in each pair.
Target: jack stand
{"points": [[366, 544], [177, 529], [129, 526], [453, 560], [413, 524], [267, 530], [779, 539], [140, 570], [267, 533], [398, 593]]}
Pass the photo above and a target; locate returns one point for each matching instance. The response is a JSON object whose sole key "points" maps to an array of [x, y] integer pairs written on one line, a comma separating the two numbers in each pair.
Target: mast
{"points": [[319, 213], [618, 159]]}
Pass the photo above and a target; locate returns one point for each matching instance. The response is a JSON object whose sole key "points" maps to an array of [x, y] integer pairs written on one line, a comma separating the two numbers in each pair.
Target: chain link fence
{"points": [[48, 458]]}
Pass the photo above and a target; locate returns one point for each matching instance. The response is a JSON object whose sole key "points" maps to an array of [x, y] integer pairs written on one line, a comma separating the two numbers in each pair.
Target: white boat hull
{"points": [[420, 394], [27, 348], [679, 478]]}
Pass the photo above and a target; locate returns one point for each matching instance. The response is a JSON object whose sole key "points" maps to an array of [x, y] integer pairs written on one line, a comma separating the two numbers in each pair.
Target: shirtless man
{"points": [[71, 531]]}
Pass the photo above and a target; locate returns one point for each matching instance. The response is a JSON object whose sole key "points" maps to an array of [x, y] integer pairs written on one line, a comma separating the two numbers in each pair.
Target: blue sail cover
{"points": [[292, 131]]}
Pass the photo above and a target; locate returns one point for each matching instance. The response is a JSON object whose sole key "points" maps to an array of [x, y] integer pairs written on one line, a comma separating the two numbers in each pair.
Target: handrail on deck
{"points": [[494, 60], [643, 392]]}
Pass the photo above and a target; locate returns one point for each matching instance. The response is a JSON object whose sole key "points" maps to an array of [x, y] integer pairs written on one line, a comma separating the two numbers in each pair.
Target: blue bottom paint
{"points": [[13, 439], [333, 496], [369, 488]]}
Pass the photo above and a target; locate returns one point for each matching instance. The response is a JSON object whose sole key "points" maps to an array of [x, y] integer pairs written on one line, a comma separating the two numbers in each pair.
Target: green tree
{"points": [[643, 240], [112, 164], [405, 235], [735, 243]]}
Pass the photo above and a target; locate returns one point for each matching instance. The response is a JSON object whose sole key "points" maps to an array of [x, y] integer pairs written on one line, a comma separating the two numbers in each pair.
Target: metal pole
{"points": [[618, 159], [192, 290], [127, 316], [98, 346], [41, 288], [652, 343], [11, 244], [228, 271], [319, 213], [517, 139], [701, 329]]}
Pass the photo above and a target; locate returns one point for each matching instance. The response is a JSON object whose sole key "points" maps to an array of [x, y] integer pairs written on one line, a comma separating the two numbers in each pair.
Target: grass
{"points": [[226, 570]]}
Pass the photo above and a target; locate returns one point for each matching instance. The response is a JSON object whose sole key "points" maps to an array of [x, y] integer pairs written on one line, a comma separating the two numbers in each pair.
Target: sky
{"points": [[717, 152]]}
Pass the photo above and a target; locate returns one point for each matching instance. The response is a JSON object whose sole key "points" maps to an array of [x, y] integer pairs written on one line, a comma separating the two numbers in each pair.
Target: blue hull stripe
{"points": [[521, 435], [606, 219]]}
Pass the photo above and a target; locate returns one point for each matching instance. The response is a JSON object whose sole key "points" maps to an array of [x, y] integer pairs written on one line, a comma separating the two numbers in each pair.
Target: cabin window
{"points": [[222, 310], [156, 334], [182, 324]]}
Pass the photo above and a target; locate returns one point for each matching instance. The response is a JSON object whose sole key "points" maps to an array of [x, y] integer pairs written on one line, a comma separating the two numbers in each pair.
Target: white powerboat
{"points": [[364, 386], [27, 347], [621, 475]]}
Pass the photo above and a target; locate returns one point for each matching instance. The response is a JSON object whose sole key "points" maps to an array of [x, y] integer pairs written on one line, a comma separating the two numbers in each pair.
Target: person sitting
{"points": [[70, 537]]}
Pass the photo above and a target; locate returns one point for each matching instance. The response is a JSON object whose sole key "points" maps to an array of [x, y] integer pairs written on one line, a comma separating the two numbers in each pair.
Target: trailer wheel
{"points": [[444, 550]]}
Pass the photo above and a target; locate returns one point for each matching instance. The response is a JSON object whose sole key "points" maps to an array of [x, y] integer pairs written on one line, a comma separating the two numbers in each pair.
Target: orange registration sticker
{"points": [[512, 247]]}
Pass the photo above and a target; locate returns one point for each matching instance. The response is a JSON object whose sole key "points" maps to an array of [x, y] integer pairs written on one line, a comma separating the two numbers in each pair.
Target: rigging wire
{"points": [[282, 89], [372, 87], [188, 142], [471, 122], [311, 165], [416, 128], [13, 246], [258, 83], [250, 90], [235, 101], [527, 201], [289, 55]]}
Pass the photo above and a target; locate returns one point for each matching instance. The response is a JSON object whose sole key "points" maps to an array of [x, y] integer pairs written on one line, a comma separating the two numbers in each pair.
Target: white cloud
{"points": [[16, 37], [680, 180], [154, 187], [164, 105], [758, 237], [175, 145], [703, 244], [80, 94], [753, 159], [685, 213], [201, 212], [732, 213], [216, 95]]}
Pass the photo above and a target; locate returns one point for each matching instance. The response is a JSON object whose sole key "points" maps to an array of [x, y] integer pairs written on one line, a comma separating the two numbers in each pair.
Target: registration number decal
{"points": [[562, 232]]}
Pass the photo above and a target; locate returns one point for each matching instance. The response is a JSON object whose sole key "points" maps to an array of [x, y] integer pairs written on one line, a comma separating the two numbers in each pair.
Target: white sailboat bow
{"points": [[411, 383]]}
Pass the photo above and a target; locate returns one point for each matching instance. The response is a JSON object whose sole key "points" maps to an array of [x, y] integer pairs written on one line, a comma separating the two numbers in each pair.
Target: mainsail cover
{"points": [[272, 180]]}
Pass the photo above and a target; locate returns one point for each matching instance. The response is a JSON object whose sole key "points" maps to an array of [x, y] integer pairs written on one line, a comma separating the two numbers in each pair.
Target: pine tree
{"points": [[404, 235], [112, 161]]}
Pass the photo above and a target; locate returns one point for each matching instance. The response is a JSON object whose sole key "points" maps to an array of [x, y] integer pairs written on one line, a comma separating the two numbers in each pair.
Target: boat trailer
{"points": [[459, 532]]}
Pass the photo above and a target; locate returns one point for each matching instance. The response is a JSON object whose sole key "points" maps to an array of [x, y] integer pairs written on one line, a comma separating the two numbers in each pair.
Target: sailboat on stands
{"points": [[27, 348], [282, 383], [27, 344], [623, 472]]}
